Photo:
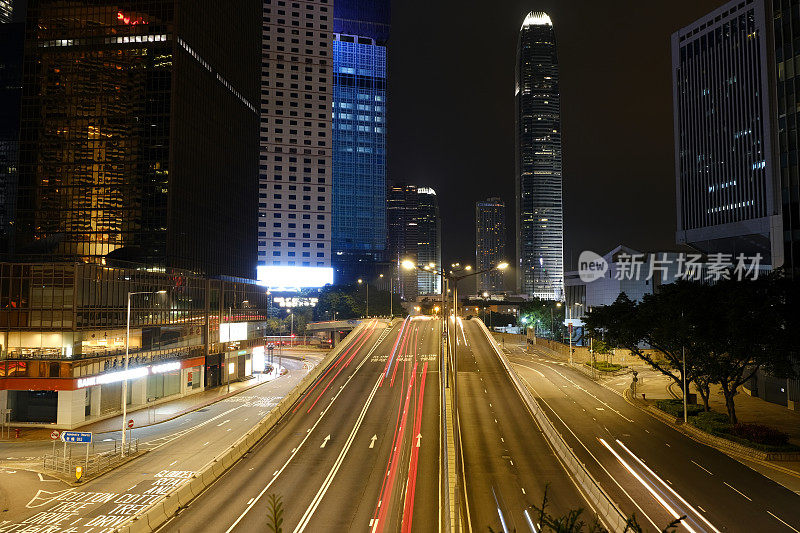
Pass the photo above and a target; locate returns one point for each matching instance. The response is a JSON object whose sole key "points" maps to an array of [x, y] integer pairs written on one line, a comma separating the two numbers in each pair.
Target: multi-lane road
{"points": [[507, 460], [648, 468], [360, 450]]}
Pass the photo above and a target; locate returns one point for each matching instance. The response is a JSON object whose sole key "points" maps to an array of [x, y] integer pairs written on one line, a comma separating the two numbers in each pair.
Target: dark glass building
{"points": [[724, 161], [140, 135], [540, 209], [359, 137], [490, 243], [415, 234], [12, 36], [785, 22]]}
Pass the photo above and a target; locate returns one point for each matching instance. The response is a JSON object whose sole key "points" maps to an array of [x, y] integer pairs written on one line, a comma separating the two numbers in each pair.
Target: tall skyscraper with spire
{"points": [[540, 208]]}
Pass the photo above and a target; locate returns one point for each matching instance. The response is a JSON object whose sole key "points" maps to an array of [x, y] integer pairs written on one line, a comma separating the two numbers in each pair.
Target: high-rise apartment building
{"points": [[359, 137], [725, 167], [490, 242], [540, 210], [139, 134], [295, 180], [429, 240]]}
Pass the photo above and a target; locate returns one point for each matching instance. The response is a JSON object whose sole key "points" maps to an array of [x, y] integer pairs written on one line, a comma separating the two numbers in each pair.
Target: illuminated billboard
{"points": [[234, 331], [287, 278]]}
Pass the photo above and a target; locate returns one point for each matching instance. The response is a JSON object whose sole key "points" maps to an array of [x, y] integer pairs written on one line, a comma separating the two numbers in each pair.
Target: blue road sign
{"points": [[82, 437]]}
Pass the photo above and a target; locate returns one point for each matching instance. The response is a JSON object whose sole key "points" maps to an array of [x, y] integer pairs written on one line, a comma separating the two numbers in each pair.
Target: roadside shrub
{"points": [[604, 366], [675, 408], [711, 422], [760, 434]]}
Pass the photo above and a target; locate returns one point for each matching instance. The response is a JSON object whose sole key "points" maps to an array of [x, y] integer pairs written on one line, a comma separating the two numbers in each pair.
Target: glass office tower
{"points": [[140, 134], [359, 137], [540, 210]]}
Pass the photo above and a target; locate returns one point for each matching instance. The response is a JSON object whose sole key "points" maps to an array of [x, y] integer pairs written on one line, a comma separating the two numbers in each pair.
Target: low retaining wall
{"points": [[162, 511], [606, 509]]}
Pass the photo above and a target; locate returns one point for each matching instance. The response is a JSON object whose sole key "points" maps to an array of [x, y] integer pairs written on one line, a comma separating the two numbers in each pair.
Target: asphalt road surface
{"points": [[176, 450], [650, 469], [359, 452], [508, 462]]}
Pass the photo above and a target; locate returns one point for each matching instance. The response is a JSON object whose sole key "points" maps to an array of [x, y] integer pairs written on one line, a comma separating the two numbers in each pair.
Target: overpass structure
{"points": [[334, 328]]}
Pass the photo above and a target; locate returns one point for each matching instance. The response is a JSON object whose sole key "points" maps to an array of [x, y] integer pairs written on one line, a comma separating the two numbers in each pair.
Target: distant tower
{"points": [[429, 246], [540, 209], [490, 242]]}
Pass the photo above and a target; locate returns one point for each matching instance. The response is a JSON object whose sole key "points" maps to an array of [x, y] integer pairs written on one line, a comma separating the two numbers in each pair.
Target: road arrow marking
{"points": [[325, 441], [372, 441], [419, 438]]}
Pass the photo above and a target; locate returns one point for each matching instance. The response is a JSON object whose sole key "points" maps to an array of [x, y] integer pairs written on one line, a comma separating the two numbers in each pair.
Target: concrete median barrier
{"points": [[166, 508]]}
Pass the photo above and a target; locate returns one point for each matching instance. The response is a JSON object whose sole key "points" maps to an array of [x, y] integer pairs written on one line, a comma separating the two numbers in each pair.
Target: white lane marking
{"points": [[782, 522], [701, 508], [335, 468], [223, 423], [250, 501], [172, 463], [701, 467], [740, 492], [539, 397], [45, 480], [646, 485], [687, 504], [308, 434]]}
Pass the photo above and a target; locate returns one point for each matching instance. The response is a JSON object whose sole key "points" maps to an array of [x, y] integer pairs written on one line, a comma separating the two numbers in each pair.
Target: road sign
{"points": [[78, 472], [82, 437], [130, 423], [54, 435]]}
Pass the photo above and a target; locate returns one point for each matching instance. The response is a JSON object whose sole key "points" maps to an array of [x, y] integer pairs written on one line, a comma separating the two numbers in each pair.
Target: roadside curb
{"points": [[157, 515], [724, 445]]}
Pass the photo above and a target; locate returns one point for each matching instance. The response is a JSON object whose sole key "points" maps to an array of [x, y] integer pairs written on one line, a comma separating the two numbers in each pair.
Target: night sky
{"points": [[451, 114]]}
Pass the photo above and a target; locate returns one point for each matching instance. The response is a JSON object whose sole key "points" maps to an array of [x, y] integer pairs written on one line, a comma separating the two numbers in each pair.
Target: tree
{"points": [[658, 330], [275, 513]]}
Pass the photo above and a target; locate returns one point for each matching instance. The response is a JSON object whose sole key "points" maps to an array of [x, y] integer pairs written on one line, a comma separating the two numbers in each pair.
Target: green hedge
{"points": [[675, 408], [604, 366], [754, 436]]}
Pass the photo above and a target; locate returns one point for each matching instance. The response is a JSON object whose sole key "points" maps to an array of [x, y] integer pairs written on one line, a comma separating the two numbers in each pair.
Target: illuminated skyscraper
{"points": [[429, 240], [359, 137], [490, 242], [294, 209], [140, 134], [540, 210]]}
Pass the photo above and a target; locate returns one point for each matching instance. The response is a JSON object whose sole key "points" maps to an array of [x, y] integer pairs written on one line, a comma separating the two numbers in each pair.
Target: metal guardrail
{"points": [[92, 464], [607, 510]]}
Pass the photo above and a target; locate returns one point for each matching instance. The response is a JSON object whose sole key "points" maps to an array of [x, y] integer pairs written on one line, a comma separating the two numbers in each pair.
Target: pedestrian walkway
{"points": [[144, 416]]}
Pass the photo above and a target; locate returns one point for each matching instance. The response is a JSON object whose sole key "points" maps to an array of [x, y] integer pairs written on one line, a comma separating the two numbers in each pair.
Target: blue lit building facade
{"points": [[361, 31]]}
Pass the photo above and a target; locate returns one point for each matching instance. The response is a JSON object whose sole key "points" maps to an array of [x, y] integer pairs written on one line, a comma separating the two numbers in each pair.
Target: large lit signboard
{"points": [[234, 331], [134, 373], [289, 278], [259, 360]]}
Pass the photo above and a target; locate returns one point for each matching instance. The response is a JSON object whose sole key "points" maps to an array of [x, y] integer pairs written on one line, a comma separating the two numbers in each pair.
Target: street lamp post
{"points": [[360, 281], [291, 331], [127, 360]]}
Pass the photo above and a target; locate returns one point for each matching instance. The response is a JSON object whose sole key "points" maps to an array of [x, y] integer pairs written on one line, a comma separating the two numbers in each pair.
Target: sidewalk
{"points": [[144, 416]]}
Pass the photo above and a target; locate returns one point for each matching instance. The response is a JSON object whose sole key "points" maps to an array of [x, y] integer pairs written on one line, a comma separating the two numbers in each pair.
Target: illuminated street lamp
{"points": [[360, 281], [127, 359]]}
